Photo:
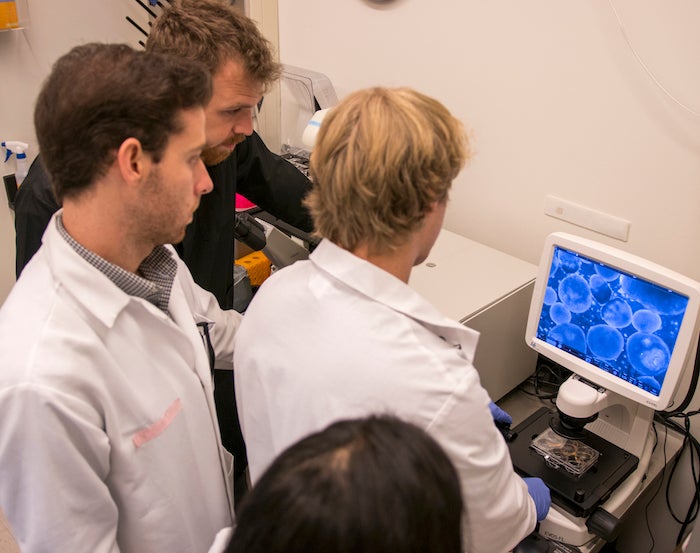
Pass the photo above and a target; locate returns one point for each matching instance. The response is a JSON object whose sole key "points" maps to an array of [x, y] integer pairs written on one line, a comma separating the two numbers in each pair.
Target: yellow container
{"points": [[257, 265], [8, 15]]}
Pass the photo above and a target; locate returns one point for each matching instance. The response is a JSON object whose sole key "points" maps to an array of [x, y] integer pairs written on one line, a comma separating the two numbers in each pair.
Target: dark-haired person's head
{"points": [[369, 485], [98, 95], [237, 55]]}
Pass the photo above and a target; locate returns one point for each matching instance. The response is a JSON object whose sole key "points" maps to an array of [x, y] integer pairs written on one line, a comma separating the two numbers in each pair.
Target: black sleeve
{"points": [[272, 183], [34, 205]]}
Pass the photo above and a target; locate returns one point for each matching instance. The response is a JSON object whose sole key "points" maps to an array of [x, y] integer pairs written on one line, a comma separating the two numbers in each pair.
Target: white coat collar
{"points": [[379, 285], [90, 287]]}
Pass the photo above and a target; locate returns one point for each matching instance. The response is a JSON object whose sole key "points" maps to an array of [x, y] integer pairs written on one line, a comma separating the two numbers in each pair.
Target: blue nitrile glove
{"points": [[499, 415], [539, 492]]}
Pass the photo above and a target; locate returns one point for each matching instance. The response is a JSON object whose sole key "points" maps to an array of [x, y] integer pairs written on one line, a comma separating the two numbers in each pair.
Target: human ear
{"points": [[132, 160]]}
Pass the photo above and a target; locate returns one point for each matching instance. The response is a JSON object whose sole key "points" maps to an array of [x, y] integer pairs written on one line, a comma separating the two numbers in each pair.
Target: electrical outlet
{"points": [[585, 217]]}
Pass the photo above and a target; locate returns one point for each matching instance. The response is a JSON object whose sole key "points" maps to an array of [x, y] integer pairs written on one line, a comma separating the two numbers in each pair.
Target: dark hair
{"points": [[370, 485], [213, 32], [98, 95]]}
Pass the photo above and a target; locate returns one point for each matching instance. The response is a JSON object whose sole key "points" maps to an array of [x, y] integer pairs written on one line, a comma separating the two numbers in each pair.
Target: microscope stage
{"points": [[578, 495]]}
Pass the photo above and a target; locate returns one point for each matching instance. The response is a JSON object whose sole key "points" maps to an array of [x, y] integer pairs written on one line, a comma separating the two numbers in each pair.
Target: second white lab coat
{"points": [[336, 337], [108, 433]]}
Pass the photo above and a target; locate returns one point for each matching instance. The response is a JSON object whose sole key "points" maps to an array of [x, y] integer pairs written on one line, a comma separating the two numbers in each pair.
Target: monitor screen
{"points": [[615, 319]]}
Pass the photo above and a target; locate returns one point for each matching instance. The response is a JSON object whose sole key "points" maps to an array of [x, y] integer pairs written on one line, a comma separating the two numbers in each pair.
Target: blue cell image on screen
{"points": [[618, 322]]}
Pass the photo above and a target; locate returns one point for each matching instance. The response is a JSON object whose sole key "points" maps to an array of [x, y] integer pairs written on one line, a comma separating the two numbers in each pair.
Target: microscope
{"points": [[593, 452], [627, 330]]}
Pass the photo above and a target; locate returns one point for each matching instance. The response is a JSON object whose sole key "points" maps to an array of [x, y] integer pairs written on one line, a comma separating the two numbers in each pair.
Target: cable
{"points": [[690, 442], [660, 485], [547, 379], [691, 387], [692, 512], [644, 65]]}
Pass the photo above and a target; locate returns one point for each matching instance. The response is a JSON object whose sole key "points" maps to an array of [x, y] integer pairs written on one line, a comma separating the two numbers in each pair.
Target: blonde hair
{"points": [[382, 158]]}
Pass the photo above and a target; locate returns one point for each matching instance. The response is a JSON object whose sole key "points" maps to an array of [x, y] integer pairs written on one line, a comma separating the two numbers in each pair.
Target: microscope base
{"points": [[580, 495]]}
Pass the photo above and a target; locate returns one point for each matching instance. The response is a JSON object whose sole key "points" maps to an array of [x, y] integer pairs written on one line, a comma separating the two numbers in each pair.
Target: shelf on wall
{"points": [[13, 15]]}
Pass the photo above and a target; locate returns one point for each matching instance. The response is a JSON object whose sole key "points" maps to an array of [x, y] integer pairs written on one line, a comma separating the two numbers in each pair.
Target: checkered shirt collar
{"points": [[157, 272]]}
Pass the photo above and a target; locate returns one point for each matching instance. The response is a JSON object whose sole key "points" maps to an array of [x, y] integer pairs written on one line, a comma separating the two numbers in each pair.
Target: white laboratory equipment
{"points": [[627, 329], [488, 291]]}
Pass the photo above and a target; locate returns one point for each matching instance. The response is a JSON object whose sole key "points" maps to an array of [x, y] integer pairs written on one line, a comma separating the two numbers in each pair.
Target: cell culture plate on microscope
{"points": [[572, 455]]}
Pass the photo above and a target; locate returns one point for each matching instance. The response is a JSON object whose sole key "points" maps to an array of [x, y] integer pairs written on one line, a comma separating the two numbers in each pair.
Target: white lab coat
{"points": [[108, 432], [336, 337]]}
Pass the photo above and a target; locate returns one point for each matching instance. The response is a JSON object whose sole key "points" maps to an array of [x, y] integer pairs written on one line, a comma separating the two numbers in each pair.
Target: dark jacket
{"points": [[34, 206], [265, 179]]}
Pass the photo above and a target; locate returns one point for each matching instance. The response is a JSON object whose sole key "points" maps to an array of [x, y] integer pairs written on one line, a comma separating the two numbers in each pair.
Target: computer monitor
{"points": [[617, 320]]}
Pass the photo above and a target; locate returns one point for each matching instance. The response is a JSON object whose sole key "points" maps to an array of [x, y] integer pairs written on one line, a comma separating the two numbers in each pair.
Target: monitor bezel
{"points": [[634, 265]]}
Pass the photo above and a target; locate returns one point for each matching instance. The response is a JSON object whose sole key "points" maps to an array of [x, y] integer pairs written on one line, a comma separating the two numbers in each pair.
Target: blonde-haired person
{"points": [[342, 335], [382, 163]]}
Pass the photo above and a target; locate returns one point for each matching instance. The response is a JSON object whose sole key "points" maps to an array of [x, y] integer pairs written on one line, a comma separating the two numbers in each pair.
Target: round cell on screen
{"points": [[646, 320], [648, 353], [606, 273], [653, 297], [600, 288], [569, 335], [575, 293], [568, 261], [605, 342], [550, 296], [617, 313], [559, 313]]}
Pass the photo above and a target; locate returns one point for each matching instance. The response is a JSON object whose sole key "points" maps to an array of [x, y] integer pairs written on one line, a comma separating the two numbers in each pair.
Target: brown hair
{"points": [[98, 95], [382, 158], [213, 32]]}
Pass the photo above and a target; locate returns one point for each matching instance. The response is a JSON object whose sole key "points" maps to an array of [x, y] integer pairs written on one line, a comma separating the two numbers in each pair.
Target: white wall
{"points": [[555, 100], [26, 57]]}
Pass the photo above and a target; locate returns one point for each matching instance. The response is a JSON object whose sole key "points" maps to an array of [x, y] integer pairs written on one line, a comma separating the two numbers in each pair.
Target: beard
{"points": [[217, 154], [160, 215]]}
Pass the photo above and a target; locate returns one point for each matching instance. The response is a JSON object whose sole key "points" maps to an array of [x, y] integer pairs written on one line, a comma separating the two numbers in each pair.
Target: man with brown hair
{"points": [[240, 62], [108, 434], [345, 336]]}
